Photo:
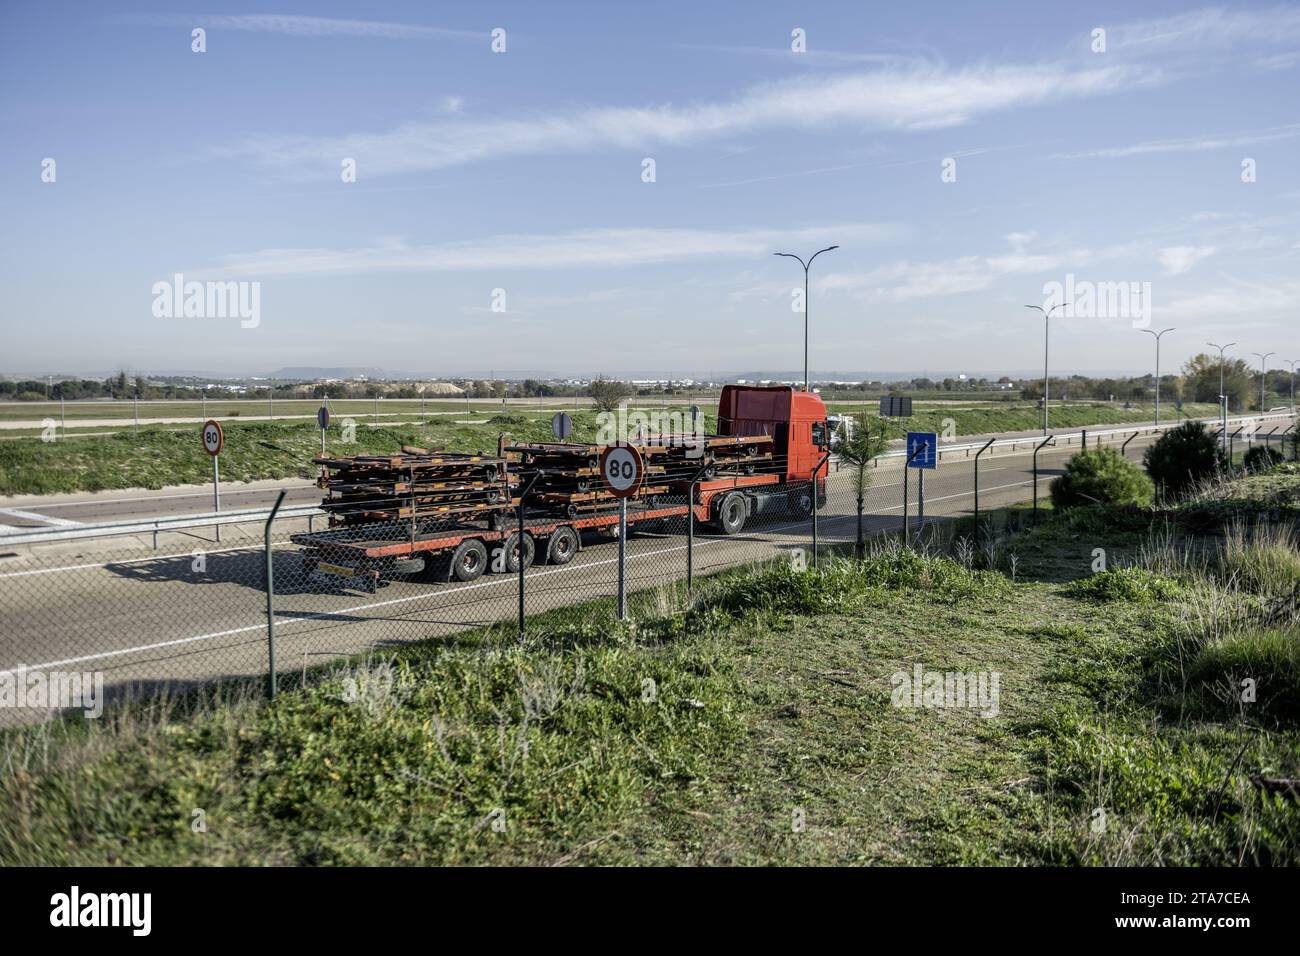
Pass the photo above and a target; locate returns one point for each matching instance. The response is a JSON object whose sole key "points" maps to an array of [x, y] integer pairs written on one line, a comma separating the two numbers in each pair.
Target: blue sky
{"points": [[523, 171]]}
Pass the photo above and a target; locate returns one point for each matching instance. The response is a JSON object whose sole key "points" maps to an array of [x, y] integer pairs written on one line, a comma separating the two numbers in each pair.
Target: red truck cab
{"points": [[795, 420]]}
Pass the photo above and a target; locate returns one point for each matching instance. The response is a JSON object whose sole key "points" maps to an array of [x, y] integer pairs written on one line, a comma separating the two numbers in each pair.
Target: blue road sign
{"points": [[928, 445]]}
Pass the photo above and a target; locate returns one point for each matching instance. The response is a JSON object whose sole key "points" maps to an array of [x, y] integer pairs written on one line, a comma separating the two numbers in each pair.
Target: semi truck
{"points": [[768, 458]]}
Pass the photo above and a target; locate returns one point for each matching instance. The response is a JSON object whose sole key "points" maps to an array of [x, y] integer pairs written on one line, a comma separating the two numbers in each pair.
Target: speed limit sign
{"points": [[622, 469], [213, 438]]}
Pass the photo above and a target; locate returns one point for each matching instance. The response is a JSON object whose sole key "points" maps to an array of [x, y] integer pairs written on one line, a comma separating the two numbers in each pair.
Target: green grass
{"points": [[756, 728], [990, 417]]}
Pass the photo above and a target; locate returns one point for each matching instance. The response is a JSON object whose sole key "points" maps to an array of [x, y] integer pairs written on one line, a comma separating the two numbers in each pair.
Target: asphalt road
{"points": [[197, 612]]}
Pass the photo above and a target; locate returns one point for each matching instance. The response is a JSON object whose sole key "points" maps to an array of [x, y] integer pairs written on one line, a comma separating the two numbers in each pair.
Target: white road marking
{"points": [[33, 516]]}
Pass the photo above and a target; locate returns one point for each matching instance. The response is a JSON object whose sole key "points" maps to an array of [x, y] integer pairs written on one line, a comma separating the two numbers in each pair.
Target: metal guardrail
{"points": [[155, 525]]}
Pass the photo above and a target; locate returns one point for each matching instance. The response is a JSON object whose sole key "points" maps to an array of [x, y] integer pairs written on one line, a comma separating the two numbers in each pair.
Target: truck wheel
{"points": [[512, 552], [800, 503], [469, 561], [732, 513], [562, 546]]}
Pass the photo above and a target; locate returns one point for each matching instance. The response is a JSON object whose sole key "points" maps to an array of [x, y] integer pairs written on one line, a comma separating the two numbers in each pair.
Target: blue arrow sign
{"points": [[925, 445]]}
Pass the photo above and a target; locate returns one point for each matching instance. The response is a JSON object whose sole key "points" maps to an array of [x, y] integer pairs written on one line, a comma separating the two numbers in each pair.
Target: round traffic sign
{"points": [[213, 438], [323, 418], [561, 426], [622, 469]]}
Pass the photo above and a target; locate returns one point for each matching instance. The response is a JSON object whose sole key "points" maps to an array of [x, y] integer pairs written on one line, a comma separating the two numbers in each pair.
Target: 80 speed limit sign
{"points": [[622, 469], [213, 439]]}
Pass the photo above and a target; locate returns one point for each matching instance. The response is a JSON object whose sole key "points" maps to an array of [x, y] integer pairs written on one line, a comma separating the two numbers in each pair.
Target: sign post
{"points": [[213, 441], [622, 469], [922, 453], [323, 421]]}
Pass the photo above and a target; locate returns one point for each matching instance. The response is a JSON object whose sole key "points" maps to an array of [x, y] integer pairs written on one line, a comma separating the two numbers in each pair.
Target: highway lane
{"points": [[193, 615]]}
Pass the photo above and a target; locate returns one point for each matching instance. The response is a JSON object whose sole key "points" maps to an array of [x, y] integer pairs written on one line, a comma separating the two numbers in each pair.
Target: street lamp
{"points": [[1047, 314], [1292, 363], [1157, 335], [1263, 374], [1223, 399], [806, 266]]}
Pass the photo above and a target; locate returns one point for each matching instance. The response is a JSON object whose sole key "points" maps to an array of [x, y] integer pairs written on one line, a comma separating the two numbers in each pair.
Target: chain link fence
{"points": [[166, 611]]}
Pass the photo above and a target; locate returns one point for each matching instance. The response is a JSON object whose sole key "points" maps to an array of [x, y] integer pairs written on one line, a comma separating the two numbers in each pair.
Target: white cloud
{"points": [[901, 98], [1238, 298], [1190, 145], [298, 26], [1176, 260], [581, 248]]}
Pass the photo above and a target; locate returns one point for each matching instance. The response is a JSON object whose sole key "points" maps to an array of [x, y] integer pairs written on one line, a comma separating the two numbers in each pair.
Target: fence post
{"points": [[270, 590], [690, 534], [1046, 441], [1123, 449], [523, 547], [987, 444], [825, 458]]}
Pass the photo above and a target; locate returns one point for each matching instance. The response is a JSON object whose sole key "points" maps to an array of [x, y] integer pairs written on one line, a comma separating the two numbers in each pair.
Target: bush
{"points": [[1268, 656], [1130, 585], [1262, 458], [1264, 562], [1183, 458], [1101, 476]]}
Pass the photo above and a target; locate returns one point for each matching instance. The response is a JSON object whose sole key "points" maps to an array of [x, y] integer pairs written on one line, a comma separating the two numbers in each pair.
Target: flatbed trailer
{"points": [[464, 551], [776, 427]]}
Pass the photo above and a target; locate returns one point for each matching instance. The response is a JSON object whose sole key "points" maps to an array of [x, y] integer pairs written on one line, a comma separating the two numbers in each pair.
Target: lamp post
{"points": [[1223, 399], [806, 266], [1292, 363], [1157, 337], [1047, 314], [1263, 374]]}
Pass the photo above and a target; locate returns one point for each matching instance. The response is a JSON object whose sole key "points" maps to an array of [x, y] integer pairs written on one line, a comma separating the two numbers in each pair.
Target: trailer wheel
{"points": [[512, 552], [562, 546], [469, 561], [732, 513]]}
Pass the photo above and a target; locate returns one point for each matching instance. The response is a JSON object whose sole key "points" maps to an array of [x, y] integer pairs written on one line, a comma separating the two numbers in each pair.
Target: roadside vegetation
{"points": [[1148, 713]]}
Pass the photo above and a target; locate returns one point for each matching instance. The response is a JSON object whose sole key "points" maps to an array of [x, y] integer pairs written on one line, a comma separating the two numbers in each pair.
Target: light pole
{"points": [[1157, 335], [1263, 374], [1292, 363], [806, 266], [1223, 399], [1047, 314]]}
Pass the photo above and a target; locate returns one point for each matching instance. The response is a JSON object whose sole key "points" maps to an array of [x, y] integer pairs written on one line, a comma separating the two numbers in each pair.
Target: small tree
{"points": [[1101, 476], [1183, 458], [608, 392], [858, 446], [1262, 458]]}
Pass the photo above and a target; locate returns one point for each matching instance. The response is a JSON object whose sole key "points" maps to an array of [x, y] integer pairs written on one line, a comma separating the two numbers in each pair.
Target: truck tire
{"points": [[800, 503], [732, 513], [512, 552], [563, 545], [468, 561]]}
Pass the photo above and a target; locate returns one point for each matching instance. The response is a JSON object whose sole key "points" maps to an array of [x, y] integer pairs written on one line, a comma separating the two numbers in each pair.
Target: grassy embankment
{"points": [[757, 727], [158, 456]]}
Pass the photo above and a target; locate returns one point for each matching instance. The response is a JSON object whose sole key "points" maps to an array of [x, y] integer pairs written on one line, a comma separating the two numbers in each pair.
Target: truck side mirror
{"points": [[820, 434]]}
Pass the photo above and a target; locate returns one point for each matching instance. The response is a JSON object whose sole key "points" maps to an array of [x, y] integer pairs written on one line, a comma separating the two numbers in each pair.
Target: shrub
{"points": [[1101, 476], [1262, 458], [1183, 458], [1131, 585], [1268, 656], [1266, 562]]}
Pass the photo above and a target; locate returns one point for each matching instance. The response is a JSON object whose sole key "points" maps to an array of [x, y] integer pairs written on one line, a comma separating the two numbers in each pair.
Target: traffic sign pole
{"points": [[216, 492], [214, 439], [622, 558]]}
